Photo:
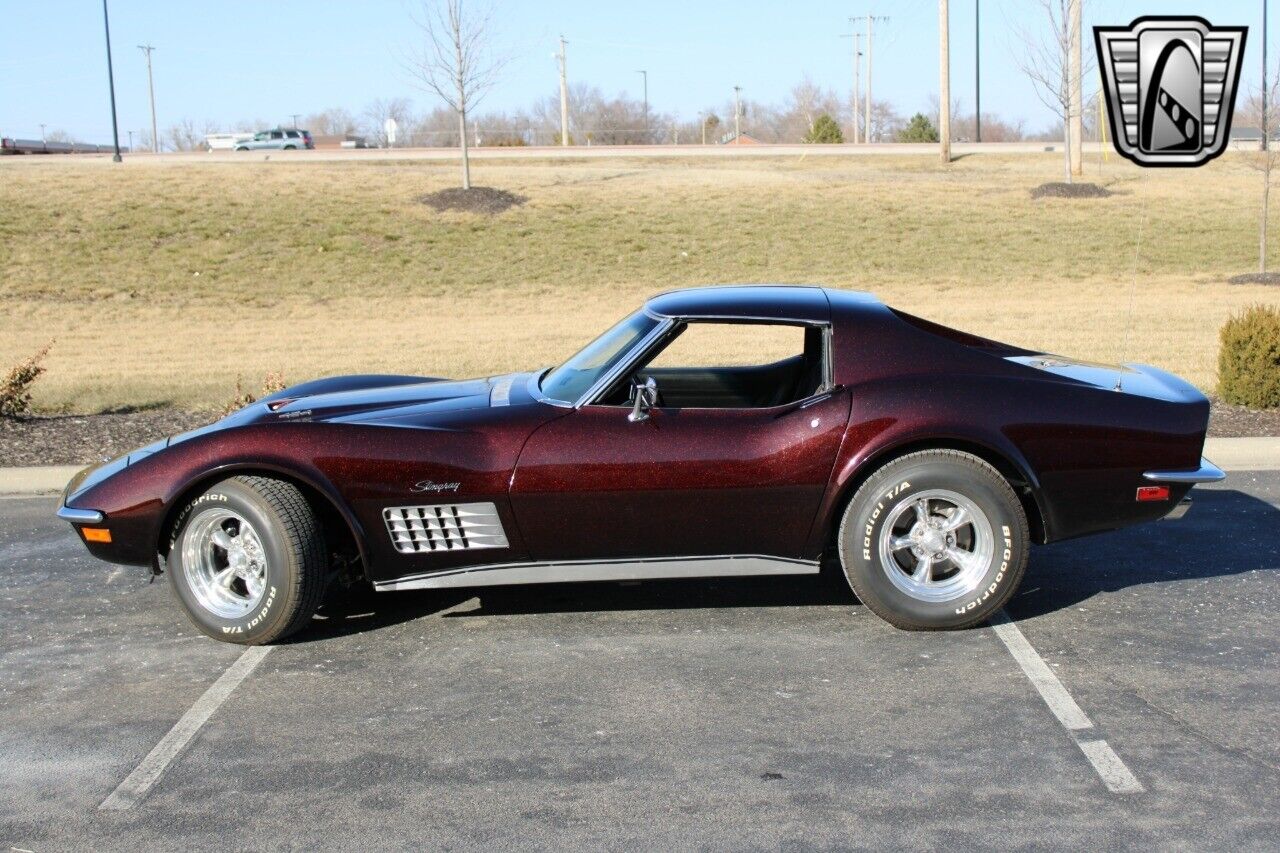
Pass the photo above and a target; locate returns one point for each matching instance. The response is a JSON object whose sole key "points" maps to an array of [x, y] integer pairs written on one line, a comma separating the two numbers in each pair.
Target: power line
{"points": [[155, 136]]}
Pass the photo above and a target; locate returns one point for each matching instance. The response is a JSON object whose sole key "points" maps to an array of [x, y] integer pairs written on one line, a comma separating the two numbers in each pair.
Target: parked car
{"points": [[926, 461], [286, 139]]}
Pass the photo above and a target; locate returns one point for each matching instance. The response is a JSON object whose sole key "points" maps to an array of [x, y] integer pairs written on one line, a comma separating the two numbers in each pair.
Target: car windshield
{"points": [[570, 381]]}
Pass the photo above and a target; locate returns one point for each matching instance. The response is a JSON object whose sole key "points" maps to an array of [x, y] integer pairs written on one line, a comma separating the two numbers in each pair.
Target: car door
{"points": [[736, 477]]}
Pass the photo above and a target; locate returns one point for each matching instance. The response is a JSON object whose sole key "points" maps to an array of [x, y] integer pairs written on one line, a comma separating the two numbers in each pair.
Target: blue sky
{"points": [[239, 59]]}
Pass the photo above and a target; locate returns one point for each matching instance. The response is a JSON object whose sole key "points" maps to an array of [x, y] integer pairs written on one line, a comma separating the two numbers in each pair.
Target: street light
{"points": [[111, 84]]}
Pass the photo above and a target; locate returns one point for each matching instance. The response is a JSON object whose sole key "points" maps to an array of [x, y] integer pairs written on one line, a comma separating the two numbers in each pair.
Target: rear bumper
{"points": [[1206, 473]]}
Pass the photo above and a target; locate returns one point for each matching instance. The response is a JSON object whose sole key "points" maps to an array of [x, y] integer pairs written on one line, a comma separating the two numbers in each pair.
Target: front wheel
{"points": [[247, 560], [934, 540]]}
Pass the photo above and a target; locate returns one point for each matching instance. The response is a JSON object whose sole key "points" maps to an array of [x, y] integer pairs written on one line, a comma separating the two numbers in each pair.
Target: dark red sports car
{"points": [[716, 431]]}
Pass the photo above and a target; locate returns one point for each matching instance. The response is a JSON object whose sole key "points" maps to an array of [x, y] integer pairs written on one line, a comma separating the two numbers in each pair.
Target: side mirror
{"points": [[646, 398]]}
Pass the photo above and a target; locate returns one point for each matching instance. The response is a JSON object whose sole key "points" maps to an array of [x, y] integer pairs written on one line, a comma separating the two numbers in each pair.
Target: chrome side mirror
{"points": [[646, 398]]}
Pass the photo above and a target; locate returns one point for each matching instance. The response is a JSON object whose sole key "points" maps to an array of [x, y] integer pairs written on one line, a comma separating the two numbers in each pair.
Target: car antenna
{"points": [[1133, 286]]}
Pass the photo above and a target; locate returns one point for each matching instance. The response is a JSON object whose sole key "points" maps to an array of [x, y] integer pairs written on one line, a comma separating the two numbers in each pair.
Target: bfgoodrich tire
{"points": [[247, 560], [934, 540]]}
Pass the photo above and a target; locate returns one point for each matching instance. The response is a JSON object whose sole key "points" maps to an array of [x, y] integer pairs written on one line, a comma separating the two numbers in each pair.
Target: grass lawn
{"points": [[160, 283]]}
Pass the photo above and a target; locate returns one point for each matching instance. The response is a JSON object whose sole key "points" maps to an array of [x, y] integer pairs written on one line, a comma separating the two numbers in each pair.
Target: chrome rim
{"points": [[224, 563], [936, 545]]}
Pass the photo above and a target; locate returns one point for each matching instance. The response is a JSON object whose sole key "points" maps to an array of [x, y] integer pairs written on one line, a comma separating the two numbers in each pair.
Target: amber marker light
{"points": [[96, 534]]}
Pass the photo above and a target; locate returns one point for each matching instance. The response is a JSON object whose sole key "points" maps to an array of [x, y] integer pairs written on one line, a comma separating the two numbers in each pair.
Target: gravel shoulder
{"points": [[83, 439]]}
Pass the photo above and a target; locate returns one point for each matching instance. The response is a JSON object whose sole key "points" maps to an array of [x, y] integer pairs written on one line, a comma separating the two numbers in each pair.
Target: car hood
{"points": [[396, 400], [376, 400]]}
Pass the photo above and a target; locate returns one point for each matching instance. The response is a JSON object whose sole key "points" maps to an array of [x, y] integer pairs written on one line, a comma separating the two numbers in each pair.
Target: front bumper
{"points": [[80, 516]]}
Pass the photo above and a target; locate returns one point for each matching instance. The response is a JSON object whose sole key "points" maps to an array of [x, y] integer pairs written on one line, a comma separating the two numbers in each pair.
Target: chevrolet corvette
{"points": [[719, 431]]}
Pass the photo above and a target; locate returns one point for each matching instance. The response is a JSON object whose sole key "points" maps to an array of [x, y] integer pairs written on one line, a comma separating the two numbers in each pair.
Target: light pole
{"points": [[645, 75], [111, 84], [977, 71], [151, 88]]}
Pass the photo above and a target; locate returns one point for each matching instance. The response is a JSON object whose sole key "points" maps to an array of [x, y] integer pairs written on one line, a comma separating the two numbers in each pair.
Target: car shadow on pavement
{"points": [[1226, 532]]}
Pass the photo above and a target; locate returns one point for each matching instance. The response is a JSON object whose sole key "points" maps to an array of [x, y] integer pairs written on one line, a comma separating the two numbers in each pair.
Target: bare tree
{"points": [[183, 136], [455, 61], [1046, 59], [1265, 160], [381, 109]]}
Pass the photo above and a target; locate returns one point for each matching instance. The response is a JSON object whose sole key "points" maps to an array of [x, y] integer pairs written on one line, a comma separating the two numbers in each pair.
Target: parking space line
{"points": [[1106, 763], [136, 785]]}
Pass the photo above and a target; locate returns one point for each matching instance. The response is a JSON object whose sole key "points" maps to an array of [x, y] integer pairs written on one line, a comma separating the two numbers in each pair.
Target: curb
{"points": [[1229, 454], [36, 480]]}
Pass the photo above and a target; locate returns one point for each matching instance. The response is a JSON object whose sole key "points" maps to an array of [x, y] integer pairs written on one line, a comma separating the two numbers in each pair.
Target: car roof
{"points": [[798, 303]]}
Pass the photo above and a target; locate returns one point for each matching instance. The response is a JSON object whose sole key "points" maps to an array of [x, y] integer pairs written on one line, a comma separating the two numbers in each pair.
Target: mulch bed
{"points": [[82, 439], [1228, 421], [485, 200], [1256, 278], [1060, 189]]}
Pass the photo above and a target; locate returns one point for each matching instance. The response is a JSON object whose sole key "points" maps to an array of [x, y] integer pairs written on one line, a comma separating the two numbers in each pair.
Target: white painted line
{"points": [[1108, 765], [145, 775], [1046, 683], [1115, 775]]}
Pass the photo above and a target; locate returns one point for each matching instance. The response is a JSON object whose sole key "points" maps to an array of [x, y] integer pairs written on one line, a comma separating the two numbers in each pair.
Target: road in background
{"points": [[728, 714], [576, 152]]}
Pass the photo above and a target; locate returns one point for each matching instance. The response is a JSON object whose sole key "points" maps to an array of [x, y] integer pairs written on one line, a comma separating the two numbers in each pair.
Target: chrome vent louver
{"points": [[444, 527]]}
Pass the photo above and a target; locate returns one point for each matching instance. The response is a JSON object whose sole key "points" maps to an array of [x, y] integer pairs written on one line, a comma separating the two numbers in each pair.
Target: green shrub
{"points": [[15, 390], [919, 129], [825, 130], [1249, 361]]}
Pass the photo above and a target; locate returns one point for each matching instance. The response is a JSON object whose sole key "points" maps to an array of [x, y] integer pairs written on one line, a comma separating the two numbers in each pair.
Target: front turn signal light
{"points": [[96, 534]]}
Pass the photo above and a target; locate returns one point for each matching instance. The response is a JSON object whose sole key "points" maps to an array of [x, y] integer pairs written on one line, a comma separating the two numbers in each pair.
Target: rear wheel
{"points": [[247, 560], [934, 540]]}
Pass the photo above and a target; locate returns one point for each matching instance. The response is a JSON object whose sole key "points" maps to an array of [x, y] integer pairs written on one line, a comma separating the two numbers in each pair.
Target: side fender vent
{"points": [[444, 527]]}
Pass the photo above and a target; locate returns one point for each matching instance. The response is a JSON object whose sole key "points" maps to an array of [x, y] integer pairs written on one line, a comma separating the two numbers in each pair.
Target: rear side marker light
{"points": [[96, 534], [1153, 493]]}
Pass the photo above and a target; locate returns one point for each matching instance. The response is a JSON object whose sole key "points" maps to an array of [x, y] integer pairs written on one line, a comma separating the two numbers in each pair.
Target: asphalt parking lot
{"points": [[725, 715]]}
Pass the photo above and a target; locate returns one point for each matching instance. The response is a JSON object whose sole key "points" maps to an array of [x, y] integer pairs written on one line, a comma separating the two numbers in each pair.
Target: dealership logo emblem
{"points": [[1170, 85]]}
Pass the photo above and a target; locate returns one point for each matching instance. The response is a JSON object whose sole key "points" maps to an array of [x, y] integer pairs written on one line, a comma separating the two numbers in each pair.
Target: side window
{"points": [[292, 134], [718, 365], [275, 134]]}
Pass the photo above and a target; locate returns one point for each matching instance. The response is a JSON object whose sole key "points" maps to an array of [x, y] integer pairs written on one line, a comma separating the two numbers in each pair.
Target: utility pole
{"points": [[977, 70], [564, 97], [151, 88], [1266, 94], [43, 141], [645, 75], [1077, 107], [130, 132], [944, 81], [111, 84], [737, 113], [295, 116], [857, 62], [866, 127]]}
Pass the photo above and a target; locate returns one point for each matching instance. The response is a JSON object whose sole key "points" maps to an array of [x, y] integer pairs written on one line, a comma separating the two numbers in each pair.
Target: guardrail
{"points": [[39, 146]]}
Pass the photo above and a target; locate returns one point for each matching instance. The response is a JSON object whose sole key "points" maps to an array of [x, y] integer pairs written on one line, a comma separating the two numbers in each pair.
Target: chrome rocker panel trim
{"points": [[1206, 473], [80, 516], [576, 571]]}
